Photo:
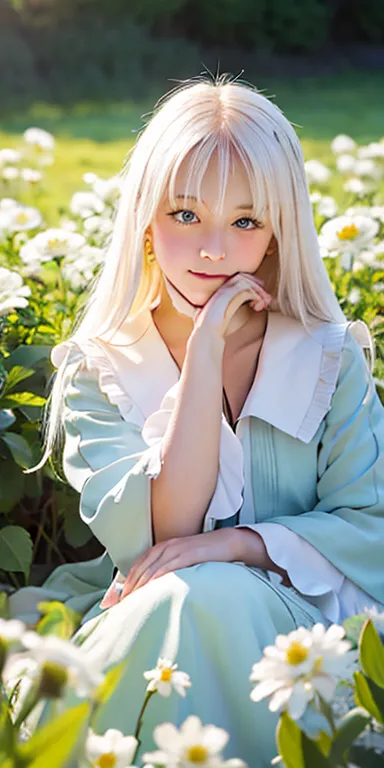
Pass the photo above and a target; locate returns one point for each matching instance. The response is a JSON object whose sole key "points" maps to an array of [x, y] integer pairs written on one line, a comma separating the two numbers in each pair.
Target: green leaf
{"points": [[57, 620], [365, 757], [22, 398], [4, 606], [15, 549], [110, 682], [28, 355], [372, 653], [7, 733], [289, 742], [364, 696], [76, 532], [15, 375], [12, 482], [353, 626], [7, 418], [19, 448], [349, 728], [7, 763], [53, 744], [313, 758]]}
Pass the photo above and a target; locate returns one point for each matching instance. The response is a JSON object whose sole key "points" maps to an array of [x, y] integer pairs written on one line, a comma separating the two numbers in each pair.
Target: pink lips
{"points": [[207, 277]]}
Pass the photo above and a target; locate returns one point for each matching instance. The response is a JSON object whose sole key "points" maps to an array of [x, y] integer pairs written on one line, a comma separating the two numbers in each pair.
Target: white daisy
{"points": [[111, 750], [74, 667], [348, 233], [12, 291], [194, 744], [40, 140], [89, 178], [86, 204], [19, 218], [374, 151], [327, 207], [31, 176], [54, 242], [79, 268], [7, 202], [301, 666], [11, 631], [354, 296], [9, 156], [359, 187], [165, 676], [317, 172], [98, 225], [345, 163], [108, 190], [368, 168], [10, 173], [342, 143]]}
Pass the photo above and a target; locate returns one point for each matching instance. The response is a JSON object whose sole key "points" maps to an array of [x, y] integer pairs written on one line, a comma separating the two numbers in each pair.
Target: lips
{"points": [[207, 277]]}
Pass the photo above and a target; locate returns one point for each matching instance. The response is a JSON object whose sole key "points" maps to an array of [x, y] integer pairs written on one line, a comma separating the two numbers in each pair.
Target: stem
{"points": [[30, 702], [140, 722], [54, 546]]}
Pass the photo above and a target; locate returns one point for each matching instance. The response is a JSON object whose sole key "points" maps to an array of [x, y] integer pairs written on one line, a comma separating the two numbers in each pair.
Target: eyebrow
{"points": [[246, 206]]}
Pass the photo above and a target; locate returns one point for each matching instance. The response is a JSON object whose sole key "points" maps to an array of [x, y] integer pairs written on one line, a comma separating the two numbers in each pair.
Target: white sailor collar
{"points": [[296, 376]]}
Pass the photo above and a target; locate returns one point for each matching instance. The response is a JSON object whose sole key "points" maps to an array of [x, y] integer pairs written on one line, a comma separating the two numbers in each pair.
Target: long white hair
{"points": [[197, 118]]}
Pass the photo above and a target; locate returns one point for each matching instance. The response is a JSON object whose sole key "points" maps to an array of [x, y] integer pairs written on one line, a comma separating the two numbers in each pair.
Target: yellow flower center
{"points": [[55, 242], [296, 653], [349, 232], [108, 760], [197, 754], [166, 675], [21, 218]]}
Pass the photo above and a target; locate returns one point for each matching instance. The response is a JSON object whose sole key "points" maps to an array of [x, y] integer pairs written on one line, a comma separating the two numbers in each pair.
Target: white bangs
{"points": [[227, 148]]}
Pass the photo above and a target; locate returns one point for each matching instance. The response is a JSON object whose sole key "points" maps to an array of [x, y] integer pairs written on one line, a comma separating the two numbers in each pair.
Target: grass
{"points": [[97, 137]]}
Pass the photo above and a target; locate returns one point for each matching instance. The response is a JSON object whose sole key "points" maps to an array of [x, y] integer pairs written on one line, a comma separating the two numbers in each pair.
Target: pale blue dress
{"points": [[304, 466]]}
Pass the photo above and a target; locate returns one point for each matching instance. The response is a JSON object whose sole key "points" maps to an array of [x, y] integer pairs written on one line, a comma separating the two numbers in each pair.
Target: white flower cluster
{"points": [[302, 666]]}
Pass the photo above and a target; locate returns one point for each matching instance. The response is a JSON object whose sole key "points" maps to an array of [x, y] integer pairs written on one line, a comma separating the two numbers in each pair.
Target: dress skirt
{"points": [[212, 619]]}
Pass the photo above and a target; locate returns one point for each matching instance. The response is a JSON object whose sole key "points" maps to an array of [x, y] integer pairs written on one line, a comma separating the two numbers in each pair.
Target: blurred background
{"points": [[90, 71]]}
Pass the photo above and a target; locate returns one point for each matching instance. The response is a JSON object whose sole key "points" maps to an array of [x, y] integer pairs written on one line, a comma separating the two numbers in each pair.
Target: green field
{"points": [[97, 137]]}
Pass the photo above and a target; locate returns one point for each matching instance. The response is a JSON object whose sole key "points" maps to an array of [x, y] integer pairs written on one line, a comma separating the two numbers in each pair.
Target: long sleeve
{"points": [[108, 461], [312, 575], [346, 526]]}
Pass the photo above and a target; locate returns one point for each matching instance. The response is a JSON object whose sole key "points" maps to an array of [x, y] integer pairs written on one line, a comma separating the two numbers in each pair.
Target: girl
{"points": [[221, 423]]}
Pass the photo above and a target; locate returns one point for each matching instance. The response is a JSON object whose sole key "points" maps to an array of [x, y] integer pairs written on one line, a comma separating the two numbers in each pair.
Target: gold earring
{"points": [[149, 254]]}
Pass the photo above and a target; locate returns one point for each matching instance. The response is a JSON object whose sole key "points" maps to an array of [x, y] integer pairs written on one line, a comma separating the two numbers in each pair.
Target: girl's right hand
{"points": [[224, 303]]}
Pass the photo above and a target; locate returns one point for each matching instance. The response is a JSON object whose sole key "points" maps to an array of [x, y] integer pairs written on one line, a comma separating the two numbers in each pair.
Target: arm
{"points": [[346, 527], [179, 502]]}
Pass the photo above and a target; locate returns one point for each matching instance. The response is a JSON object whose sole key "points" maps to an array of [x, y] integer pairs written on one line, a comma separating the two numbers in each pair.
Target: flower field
{"points": [[48, 257]]}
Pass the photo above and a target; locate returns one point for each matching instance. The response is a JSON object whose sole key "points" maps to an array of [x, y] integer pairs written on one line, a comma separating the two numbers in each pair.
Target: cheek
{"points": [[250, 250], [171, 247]]}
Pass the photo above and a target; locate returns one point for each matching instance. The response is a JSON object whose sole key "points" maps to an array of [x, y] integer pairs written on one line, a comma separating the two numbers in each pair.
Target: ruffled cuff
{"points": [[311, 574]]}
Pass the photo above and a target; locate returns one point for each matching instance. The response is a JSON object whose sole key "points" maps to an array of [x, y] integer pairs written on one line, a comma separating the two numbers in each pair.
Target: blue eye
{"points": [[187, 212], [182, 211]]}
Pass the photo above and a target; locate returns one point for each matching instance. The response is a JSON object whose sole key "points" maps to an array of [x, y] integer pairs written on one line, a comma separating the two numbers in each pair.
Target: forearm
{"points": [[251, 550], [190, 451]]}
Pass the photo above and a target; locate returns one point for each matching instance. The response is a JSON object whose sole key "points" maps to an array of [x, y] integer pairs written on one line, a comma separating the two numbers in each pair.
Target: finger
{"points": [[169, 567], [134, 576], [111, 596]]}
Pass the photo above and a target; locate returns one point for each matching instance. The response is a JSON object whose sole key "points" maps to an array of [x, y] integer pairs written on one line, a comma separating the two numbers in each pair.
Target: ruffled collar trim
{"points": [[296, 376]]}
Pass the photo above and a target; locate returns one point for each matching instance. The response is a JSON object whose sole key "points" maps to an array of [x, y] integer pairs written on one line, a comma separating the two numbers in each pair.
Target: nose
{"points": [[212, 255]]}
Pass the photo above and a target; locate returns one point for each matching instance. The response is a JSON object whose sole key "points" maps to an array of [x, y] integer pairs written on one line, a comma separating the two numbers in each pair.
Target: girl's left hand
{"points": [[165, 556]]}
